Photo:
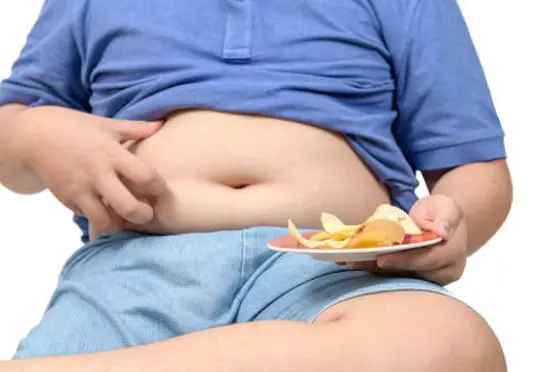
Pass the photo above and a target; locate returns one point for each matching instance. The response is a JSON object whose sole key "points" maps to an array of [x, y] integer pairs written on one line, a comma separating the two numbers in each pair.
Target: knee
{"points": [[415, 331]]}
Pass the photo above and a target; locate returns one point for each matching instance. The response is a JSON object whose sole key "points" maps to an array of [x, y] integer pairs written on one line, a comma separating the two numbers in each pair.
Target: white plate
{"points": [[288, 244]]}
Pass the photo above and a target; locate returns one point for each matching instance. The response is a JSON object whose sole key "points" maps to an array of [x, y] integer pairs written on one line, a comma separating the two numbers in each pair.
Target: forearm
{"points": [[484, 192], [14, 172]]}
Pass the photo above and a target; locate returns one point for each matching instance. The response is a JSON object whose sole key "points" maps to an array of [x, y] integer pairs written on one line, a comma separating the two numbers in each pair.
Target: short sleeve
{"points": [[48, 69], [446, 115]]}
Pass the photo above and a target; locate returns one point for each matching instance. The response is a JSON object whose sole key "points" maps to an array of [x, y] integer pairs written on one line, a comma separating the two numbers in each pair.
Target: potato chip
{"points": [[377, 232], [322, 235], [333, 224], [328, 243], [338, 236], [332, 244], [344, 234], [389, 212], [387, 226]]}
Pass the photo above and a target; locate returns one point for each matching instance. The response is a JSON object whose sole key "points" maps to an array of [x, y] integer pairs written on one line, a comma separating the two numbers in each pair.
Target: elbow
{"points": [[505, 191], [20, 181], [29, 187]]}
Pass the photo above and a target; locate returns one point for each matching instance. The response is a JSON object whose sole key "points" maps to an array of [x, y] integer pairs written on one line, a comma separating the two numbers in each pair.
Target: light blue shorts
{"points": [[131, 289]]}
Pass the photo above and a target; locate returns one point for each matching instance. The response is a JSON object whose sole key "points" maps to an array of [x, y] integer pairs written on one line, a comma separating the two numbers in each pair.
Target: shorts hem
{"points": [[312, 314]]}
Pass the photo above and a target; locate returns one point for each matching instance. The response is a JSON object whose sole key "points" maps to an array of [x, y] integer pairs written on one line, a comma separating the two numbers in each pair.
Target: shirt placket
{"points": [[238, 37]]}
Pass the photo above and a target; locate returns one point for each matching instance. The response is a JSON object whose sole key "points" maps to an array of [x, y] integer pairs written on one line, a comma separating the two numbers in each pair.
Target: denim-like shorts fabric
{"points": [[130, 289]]}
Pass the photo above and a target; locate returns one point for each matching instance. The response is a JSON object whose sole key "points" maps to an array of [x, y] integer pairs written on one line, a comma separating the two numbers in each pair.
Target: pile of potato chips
{"points": [[387, 226]]}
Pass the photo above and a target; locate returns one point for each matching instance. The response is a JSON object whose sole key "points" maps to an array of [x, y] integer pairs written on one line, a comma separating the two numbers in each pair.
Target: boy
{"points": [[183, 136]]}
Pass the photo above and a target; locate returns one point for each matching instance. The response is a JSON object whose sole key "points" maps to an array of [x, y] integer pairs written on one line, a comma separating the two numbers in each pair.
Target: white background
{"points": [[510, 282]]}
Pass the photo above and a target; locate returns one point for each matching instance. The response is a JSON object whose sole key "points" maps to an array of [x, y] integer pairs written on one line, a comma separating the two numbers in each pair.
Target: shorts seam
{"points": [[246, 287], [242, 278]]}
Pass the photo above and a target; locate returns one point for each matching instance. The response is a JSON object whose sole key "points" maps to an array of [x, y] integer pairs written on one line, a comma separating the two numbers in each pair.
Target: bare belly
{"points": [[228, 171]]}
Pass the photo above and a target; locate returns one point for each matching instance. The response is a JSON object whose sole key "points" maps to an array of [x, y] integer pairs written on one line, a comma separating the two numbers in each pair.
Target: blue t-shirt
{"points": [[399, 78]]}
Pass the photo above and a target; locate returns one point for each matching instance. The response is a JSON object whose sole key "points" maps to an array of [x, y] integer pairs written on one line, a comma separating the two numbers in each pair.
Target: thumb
{"points": [[446, 219], [129, 130], [438, 213]]}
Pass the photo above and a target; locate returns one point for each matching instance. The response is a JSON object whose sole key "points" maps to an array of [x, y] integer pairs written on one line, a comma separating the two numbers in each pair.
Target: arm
{"points": [[484, 192], [15, 153], [46, 73], [448, 128]]}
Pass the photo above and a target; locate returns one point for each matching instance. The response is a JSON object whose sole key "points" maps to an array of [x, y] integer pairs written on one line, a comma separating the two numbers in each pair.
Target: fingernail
{"points": [[388, 265], [446, 227]]}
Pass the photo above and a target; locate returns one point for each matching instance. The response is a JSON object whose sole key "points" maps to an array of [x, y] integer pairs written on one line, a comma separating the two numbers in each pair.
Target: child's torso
{"points": [[319, 62]]}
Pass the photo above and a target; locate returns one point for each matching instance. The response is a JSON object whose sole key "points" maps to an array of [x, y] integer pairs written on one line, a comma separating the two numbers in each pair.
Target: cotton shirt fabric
{"points": [[400, 79]]}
